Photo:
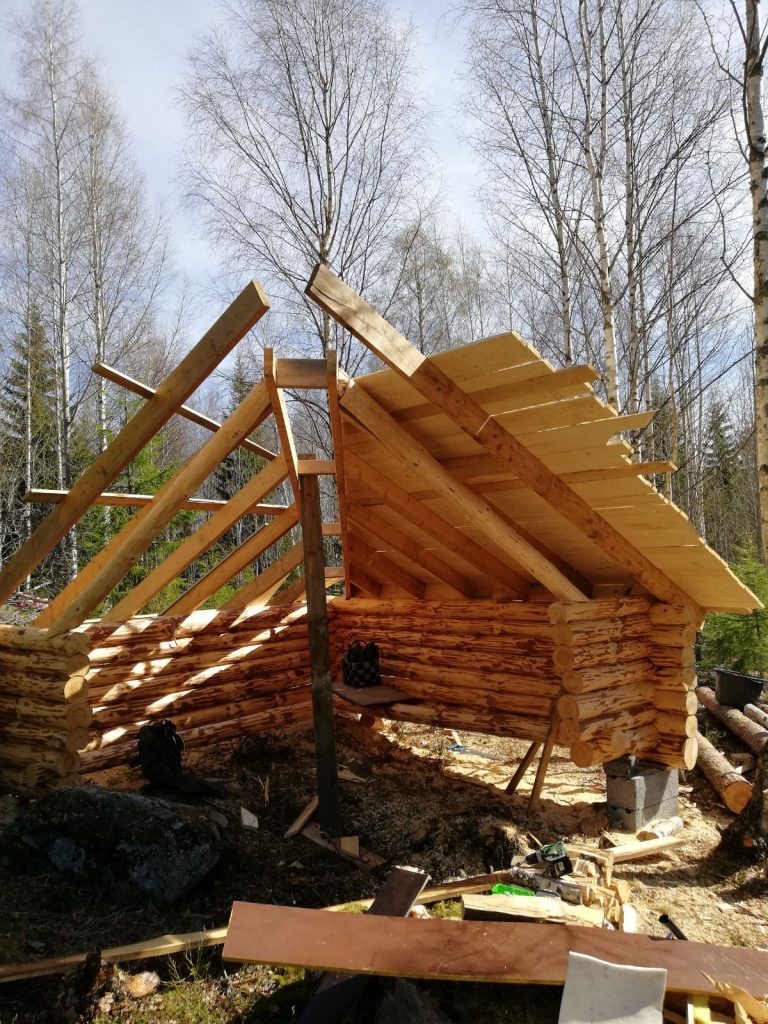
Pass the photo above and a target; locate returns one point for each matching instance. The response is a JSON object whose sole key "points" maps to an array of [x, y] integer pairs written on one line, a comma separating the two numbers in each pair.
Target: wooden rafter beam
{"points": [[280, 412], [109, 566], [300, 373], [145, 391], [364, 581], [244, 312], [502, 535], [382, 568], [361, 473], [240, 504], [261, 589], [334, 413], [348, 309], [298, 589], [234, 563], [116, 499], [411, 549], [316, 467]]}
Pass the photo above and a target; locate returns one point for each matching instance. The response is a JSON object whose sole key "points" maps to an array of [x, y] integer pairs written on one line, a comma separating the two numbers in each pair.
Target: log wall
{"points": [[44, 709], [217, 674]]}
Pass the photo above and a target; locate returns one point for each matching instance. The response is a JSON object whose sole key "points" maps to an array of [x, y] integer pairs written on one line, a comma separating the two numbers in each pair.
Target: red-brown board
{"points": [[472, 950]]}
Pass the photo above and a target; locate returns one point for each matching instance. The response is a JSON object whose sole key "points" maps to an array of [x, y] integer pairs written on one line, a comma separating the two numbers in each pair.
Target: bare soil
{"points": [[421, 804]]}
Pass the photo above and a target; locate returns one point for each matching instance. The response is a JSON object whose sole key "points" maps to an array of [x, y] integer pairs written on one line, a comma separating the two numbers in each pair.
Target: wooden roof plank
{"points": [[383, 340], [231, 326], [377, 563]]}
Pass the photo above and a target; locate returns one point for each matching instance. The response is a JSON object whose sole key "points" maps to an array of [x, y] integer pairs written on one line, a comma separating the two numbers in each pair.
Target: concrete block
{"points": [[631, 819], [620, 767], [644, 788]]}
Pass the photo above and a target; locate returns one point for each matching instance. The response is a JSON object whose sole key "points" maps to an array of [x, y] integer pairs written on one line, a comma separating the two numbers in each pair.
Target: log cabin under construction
{"points": [[519, 573]]}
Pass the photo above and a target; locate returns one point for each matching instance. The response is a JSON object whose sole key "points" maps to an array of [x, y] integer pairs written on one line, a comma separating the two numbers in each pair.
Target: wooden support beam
{"points": [[360, 472], [334, 413], [261, 589], [300, 373], [244, 312], [405, 545], [144, 391], [116, 499], [523, 767], [109, 566], [316, 467], [329, 810], [358, 404], [381, 567], [234, 563], [357, 575], [348, 309], [239, 505], [280, 412]]}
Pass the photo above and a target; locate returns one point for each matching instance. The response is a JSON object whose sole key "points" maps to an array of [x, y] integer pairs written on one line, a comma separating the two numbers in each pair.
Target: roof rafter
{"points": [[383, 568]]}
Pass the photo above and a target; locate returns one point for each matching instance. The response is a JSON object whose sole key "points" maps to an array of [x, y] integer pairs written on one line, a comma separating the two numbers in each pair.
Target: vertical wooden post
{"points": [[320, 657]]}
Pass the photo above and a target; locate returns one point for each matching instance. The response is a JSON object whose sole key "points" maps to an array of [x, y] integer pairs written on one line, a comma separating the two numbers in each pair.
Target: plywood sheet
{"points": [[531, 954]]}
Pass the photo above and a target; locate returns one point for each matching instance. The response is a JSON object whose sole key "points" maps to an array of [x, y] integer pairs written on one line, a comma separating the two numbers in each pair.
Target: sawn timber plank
{"points": [[531, 954]]}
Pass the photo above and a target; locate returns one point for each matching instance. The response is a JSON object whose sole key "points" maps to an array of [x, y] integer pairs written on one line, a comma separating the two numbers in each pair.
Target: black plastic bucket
{"points": [[737, 689]]}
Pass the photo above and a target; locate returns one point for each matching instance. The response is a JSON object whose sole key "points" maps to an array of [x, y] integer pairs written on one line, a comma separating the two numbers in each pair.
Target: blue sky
{"points": [[141, 47]]}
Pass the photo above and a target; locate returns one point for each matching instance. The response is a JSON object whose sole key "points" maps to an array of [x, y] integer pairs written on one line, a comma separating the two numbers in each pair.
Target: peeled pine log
{"points": [[469, 719], [437, 638], [673, 636], [732, 788], [512, 611], [350, 625], [26, 638], [602, 702], [749, 732], [48, 686], [23, 780], [65, 715], [672, 657], [683, 702], [601, 630], [48, 736], [604, 677], [571, 730], [598, 608], [676, 725], [671, 751], [757, 715], [201, 643], [470, 659], [169, 627], [591, 753], [675, 678], [506, 681], [43, 661], [673, 615], [508, 702], [19, 755], [593, 655]]}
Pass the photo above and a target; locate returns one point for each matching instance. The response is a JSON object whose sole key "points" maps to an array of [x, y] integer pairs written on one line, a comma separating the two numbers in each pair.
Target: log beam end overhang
{"points": [[369, 327]]}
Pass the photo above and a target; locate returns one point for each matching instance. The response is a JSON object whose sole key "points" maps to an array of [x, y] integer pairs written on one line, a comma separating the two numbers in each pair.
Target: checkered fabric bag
{"points": [[360, 666]]}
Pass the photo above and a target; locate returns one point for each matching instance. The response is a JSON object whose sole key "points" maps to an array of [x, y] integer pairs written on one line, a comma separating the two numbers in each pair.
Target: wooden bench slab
{"points": [[532, 954], [366, 696]]}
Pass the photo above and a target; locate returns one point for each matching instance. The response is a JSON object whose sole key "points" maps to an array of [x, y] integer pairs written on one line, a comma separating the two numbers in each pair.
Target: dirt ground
{"points": [[420, 804]]}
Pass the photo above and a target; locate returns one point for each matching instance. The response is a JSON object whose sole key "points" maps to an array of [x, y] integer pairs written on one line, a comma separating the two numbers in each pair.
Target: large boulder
{"points": [[135, 847]]}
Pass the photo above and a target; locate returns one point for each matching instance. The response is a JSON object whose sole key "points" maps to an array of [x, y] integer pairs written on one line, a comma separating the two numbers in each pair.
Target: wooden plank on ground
{"points": [[338, 993], [472, 950], [366, 859], [238, 319]]}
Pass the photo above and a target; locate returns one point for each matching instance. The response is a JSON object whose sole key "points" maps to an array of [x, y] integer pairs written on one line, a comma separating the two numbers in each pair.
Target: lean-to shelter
{"points": [[517, 569]]}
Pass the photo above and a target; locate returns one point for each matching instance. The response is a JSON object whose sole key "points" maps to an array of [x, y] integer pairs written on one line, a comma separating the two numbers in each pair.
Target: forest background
{"points": [[611, 144]]}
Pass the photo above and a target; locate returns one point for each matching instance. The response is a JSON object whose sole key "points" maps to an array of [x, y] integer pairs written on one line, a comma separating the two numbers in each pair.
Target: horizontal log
{"points": [[672, 615], [204, 643], [601, 677], [17, 754], [510, 702], [732, 788], [27, 638], [672, 657], [169, 627], [401, 665], [749, 732], [478, 662], [601, 630], [508, 611], [572, 730], [49, 686], [631, 739], [440, 636], [757, 715], [33, 662], [673, 636], [62, 715], [598, 608], [347, 624], [43, 735], [671, 751], [676, 725], [683, 702], [470, 720], [602, 702], [666, 678], [22, 781], [565, 658], [590, 753]]}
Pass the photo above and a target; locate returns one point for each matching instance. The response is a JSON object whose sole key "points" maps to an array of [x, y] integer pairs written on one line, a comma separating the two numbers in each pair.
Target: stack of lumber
{"points": [[627, 673], [477, 665], [44, 713], [216, 674]]}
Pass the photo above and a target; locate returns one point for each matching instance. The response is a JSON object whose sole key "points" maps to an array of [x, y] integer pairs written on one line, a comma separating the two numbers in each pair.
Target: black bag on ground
{"points": [[360, 666], [160, 755]]}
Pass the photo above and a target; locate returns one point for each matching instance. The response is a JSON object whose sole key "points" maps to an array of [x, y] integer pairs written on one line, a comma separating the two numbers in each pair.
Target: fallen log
{"points": [[749, 732], [732, 788], [757, 715]]}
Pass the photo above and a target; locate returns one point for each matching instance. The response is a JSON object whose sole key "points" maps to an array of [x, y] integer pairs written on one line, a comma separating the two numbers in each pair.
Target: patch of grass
{"points": [[445, 909]]}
